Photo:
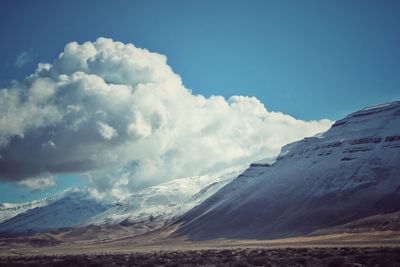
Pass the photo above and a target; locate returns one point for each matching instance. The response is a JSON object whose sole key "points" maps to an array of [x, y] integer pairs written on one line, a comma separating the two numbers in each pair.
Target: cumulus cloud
{"points": [[114, 110], [106, 130], [24, 58], [38, 184]]}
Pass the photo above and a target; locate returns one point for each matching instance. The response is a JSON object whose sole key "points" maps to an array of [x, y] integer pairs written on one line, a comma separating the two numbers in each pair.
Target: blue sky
{"points": [[11, 193], [308, 59]]}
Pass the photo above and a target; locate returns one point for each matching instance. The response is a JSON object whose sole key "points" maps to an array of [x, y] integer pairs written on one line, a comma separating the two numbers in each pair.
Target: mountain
{"points": [[153, 207], [9, 210], [350, 172], [66, 209], [379, 222], [142, 211]]}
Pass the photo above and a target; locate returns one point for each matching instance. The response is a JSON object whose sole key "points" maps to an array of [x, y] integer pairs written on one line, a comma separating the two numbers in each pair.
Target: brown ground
{"points": [[374, 241], [50, 244]]}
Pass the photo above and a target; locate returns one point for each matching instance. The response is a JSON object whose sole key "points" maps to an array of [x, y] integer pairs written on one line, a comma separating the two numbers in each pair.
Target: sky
{"points": [[308, 60]]}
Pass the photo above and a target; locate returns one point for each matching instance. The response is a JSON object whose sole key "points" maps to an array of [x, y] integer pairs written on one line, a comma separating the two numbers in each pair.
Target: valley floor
{"points": [[51, 248]]}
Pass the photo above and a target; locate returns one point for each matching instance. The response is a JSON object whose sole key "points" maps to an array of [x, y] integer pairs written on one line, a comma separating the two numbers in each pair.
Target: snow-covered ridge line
{"points": [[10, 210], [11, 205], [14, 206], [266, 162], [68, 209], [349, 172], [353, 145], [369, 111], [379, 106], [167, 200], [148, 208]]}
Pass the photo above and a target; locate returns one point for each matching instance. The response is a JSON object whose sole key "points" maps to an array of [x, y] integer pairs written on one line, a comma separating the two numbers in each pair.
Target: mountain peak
{"points": [[349, 172]]}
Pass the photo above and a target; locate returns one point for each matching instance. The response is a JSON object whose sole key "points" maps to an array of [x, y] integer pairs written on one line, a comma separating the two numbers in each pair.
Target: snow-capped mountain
{"points": [[67, 209], [9, 210], [147, 209], [349, 172], [158, 204]]}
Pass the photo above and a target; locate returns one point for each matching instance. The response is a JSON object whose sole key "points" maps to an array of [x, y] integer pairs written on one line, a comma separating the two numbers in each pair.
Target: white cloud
{"points": [[106, 131], [38, 184], [24, 58], [116, 110]]}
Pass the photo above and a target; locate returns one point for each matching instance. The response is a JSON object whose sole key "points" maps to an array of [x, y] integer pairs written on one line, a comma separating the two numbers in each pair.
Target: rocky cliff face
{"points": [[350, 172]]}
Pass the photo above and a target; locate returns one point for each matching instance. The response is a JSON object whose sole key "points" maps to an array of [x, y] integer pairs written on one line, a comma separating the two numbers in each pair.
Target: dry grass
{"points": [[46, 244], [159, 249]]}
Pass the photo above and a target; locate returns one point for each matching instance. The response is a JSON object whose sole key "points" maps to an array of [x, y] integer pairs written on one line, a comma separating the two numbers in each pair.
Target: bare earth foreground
{"points": [[379, 248]]}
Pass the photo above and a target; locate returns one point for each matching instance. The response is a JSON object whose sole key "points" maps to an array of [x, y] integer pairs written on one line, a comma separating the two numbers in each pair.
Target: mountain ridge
{"points": [[66, 209], [144, 210], [348, 173], [9, 210], [317, 182]]}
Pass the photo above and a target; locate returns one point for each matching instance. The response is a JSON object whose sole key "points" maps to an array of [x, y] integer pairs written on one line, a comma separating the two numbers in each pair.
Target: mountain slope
{"points": [[66, 210], [142, 211], [379, 222], [152, 207], [9, 210], [350, 172]]}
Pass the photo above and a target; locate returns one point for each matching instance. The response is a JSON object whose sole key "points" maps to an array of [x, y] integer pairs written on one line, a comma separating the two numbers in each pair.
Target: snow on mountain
{"points": [[349, 172], [158, 204], [67, 209], [148, 208], [9, 210]]}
